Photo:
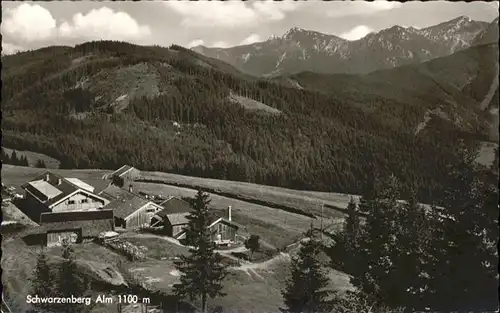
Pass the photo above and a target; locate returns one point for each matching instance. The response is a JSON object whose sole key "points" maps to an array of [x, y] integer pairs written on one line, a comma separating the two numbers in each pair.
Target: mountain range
{"points": [[104, 104], [300, 50]]}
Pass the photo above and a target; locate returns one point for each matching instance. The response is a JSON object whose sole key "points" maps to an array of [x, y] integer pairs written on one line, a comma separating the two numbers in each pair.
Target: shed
{"points": [[76, 227], [132, 211]]}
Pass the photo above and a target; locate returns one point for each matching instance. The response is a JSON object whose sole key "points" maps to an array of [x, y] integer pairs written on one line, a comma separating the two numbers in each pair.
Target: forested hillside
{"points": [[103, 104]]}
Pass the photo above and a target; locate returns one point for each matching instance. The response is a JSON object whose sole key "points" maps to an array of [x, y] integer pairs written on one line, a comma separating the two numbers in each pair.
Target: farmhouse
{"points": [[74, 227], [52, 193], [131, 211]]}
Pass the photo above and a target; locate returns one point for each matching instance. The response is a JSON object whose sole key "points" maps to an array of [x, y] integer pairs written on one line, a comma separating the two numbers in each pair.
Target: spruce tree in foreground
{"points": [[202, 270], [466, 267], [347, 243], [42, 283], [71, 283], [306, 288]]}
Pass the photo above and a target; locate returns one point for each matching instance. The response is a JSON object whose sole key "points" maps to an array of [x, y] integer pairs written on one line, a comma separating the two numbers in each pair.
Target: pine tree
{"points": [[23, 161], [13, 158], [347, 245], [467, 255], [377, 255], [42, 283], [202, 271], [40, 164], [306, 291], [71, 282], [5, 157], [413, 254]]}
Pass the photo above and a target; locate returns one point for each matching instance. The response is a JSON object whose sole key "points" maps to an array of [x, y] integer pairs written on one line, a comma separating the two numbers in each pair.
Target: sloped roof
{"points": [[122, 170], [113, 192], [178, 218], [225, 221], [76, 216], [90, 223], [45, 189], [126, 204], [174, 205], [65, 187], [81, 184]]}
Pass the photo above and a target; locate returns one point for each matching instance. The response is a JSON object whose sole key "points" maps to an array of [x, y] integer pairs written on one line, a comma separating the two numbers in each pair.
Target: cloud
{"points": [[204, 13], [229, 13], [250, 39], [356, 33], [350, 8], [194, 43], [32, 25], [28, 22], [8, 48], [104, 23], [275, 10], [220, 44]]}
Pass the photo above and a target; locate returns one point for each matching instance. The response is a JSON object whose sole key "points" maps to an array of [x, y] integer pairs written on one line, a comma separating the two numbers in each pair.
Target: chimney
{"points": [[229, 213], [47, 177], [58, 182]]}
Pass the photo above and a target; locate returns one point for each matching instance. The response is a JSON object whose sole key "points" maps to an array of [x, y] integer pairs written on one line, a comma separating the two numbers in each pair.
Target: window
{"points": [[150, 210], [84, 201], [71, 201]]}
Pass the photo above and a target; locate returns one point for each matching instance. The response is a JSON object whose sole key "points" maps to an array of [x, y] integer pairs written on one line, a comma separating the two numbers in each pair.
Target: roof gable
{"points": [[127, 204], [64, 186], [81, 184], [122, 170], [224, 221]]}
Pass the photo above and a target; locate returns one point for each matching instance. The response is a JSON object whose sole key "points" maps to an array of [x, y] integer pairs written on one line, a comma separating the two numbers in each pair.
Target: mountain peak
{"points": [[462, 18], [395, 28], [292, 31]]}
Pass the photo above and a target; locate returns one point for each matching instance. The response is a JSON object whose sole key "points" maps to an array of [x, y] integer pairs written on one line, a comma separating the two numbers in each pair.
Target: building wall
{"points": [[79, 202], [142, 217], [34, 207], [226, 231], [56, 238], [176, 229]]}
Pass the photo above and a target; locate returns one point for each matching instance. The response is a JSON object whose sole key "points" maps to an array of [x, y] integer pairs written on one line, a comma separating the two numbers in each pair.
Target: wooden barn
{"points": [[74, 227], [130, 210], [175, 224], [173, 216], [223, 229], [126, 174]]}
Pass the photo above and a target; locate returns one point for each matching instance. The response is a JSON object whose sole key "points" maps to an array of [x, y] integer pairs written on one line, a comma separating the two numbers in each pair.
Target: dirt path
{"points": [[176, 242], [245, 266]]}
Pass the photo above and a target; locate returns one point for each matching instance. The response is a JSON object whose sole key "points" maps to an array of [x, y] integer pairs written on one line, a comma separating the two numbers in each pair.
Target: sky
{"points": [[32, 25]]}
